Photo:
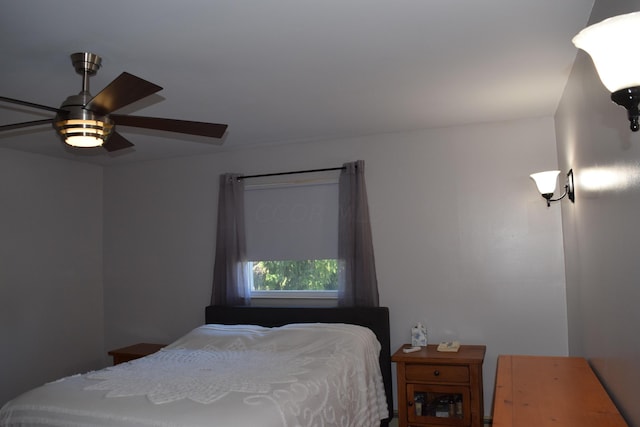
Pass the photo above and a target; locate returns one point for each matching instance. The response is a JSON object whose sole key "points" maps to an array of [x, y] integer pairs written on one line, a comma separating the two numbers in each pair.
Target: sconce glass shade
{"points": [[612, 45], [546, 181]]}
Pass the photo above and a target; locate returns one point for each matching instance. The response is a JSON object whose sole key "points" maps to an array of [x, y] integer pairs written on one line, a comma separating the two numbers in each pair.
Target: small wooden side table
{"points": [[440, 388], [132, 352]]}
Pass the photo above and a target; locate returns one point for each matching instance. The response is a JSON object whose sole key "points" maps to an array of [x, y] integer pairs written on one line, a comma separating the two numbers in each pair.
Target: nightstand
{"points": [[133, 352], [440, 388]]}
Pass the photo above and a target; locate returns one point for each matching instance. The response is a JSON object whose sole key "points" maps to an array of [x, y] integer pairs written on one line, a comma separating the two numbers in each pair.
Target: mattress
{"points": [[312, 374]]}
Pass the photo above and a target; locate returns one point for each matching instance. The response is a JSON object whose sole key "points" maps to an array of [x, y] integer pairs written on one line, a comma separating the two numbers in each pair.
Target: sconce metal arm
{"points": [[568, 191], [548, 196]]}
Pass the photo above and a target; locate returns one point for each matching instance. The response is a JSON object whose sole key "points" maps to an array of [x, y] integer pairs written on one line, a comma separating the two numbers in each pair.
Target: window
{"points": [[292, 238]]}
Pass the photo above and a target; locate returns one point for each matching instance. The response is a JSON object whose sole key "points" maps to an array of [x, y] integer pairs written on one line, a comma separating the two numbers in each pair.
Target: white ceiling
{"points": [[283, 71]]}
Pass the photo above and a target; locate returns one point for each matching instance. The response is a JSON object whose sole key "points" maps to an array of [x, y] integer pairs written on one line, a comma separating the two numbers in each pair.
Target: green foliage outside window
{"points": [[307, 275]]}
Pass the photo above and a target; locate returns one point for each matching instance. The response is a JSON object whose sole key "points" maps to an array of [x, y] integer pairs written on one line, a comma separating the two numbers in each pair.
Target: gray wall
{"points": [[463, 244], [51, 307], [463, 241], [601, 233]]}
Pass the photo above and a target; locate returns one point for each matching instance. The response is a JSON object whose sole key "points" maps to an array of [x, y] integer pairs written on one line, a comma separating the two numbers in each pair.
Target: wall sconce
{"points": [[612, 45], [546, 183]]}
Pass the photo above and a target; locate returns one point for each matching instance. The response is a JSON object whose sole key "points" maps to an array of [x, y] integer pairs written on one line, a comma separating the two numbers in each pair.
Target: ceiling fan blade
{"points": [[212, 130], [28, 104], [116, 142], [122, 91], [26, 124]]}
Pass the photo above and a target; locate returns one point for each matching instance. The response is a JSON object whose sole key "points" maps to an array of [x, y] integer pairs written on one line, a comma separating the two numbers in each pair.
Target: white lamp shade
{"points": [[612, 45], [546, 181]]}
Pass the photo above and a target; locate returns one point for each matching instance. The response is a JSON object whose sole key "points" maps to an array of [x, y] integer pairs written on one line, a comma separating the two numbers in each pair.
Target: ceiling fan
{"points": [[84, 120]]}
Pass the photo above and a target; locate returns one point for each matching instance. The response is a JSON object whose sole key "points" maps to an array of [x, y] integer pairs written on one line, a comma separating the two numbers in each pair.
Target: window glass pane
{"points": [[294, 275]]}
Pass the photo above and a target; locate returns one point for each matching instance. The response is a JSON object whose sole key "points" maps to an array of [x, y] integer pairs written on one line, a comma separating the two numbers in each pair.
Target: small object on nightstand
{"points": [[132, 352], [411, 349], [419, 335], [452, 346]]}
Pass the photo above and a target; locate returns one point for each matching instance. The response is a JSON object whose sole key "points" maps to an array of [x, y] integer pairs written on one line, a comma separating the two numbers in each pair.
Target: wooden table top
{"points": [[540, 391], [467, 354]]}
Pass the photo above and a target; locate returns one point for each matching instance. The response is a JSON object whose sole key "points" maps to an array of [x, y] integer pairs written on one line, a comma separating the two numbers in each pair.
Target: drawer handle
{"points": [[410, 403], [436, 373]]}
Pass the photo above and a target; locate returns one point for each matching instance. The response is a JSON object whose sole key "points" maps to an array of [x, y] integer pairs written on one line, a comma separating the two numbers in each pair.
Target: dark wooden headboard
{"points": [[374, 318]]}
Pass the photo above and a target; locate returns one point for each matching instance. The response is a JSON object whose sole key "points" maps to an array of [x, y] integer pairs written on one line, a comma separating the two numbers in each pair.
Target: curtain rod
{"points": [[292, 172]]}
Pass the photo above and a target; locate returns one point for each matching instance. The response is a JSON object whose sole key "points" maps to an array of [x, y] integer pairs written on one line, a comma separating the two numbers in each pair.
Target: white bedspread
{"points": [[220, 375]]}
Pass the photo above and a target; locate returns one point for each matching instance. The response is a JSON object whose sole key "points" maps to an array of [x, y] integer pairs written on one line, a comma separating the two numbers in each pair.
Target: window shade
{"points": [[292, 222]]}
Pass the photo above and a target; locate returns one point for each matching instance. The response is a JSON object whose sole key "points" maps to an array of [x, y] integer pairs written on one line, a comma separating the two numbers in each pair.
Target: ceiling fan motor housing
{"points": [[85, 62], [77, 125]]}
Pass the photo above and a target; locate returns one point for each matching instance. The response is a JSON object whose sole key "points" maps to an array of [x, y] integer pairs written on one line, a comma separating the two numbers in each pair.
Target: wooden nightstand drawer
{"points": [[437, 373]]}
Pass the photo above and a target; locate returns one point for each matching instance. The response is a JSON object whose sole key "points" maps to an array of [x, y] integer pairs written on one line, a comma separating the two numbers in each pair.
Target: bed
{"points": [[247, 366]]}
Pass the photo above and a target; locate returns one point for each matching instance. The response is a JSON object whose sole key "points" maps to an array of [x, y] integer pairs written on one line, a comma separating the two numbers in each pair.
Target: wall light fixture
{"points": [[546, 183], [612, 45]]}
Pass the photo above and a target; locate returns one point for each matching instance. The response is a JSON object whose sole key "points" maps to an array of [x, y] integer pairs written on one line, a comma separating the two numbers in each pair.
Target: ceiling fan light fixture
{"points": [[84, 132], [83, 120]]}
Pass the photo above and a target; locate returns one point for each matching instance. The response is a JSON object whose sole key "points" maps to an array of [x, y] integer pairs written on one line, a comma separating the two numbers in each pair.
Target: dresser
{"points": [[546, 391], [440, 388]]}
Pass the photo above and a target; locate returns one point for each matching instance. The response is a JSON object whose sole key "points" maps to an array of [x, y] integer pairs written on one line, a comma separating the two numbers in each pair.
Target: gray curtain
{"points": [[357, 282], [230, 280]]}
